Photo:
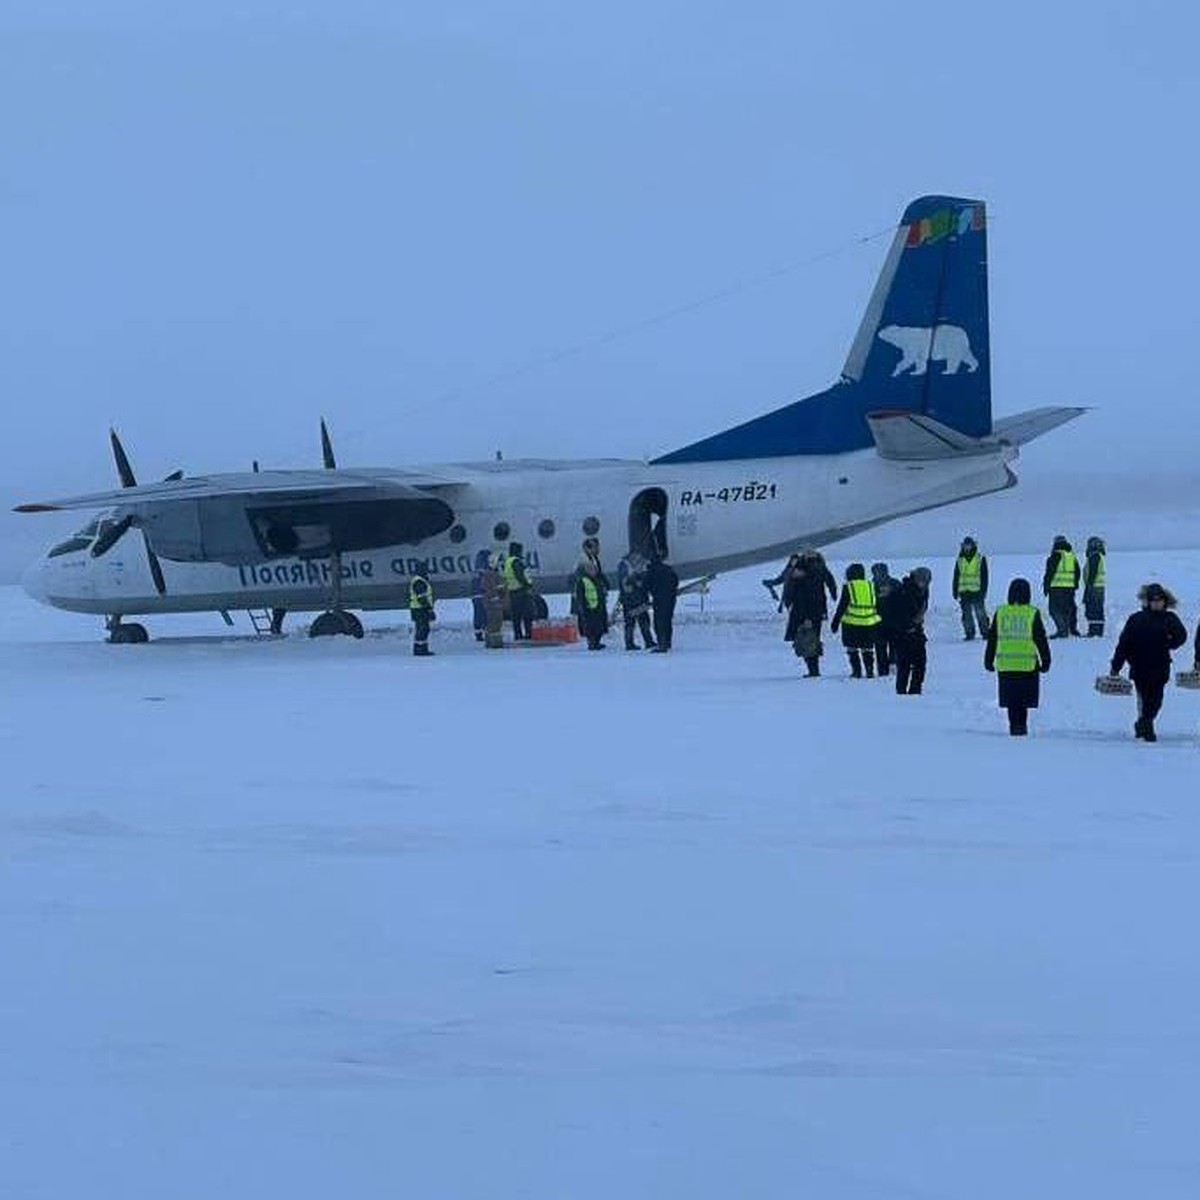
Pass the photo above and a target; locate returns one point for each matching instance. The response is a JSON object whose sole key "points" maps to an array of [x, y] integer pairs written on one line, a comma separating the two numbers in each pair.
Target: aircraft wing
{"points": [[250, 485], [239, 519]]}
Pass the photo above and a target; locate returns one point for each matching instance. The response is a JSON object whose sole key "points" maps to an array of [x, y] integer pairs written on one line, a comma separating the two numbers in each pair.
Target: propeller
{"points": [[327, 448], [113, 534]]}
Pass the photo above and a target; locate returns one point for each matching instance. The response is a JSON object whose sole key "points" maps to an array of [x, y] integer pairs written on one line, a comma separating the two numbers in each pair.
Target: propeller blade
{"points": [[111, 536], [156, 571], [327, 448], [124, 470]]}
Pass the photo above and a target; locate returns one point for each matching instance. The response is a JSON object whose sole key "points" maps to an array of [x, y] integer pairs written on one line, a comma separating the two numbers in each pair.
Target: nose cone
{"points": [[34, 582]]}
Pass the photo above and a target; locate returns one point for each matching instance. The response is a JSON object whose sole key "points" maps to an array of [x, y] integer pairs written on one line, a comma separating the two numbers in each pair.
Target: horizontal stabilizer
{"points": [[1026, 426], [909, 436]]}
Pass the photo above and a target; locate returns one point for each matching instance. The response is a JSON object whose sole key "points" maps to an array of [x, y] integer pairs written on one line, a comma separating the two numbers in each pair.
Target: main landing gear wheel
{"points": [[128, 635], [336, 621]]}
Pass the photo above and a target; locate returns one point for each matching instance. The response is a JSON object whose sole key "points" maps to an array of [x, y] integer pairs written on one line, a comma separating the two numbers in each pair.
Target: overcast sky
{"points": [[223, 220]]}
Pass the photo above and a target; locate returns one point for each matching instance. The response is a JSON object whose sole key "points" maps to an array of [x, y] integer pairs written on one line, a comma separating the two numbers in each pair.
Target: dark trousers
{"points": [[860, 659], [420, 620], [1150, 699], [1093, 609], [594, 626], [973, 613], [884, 649], [911, 660], [1018, 721], [520, 611], [642, 622], [1063, 612], [664, 621]]}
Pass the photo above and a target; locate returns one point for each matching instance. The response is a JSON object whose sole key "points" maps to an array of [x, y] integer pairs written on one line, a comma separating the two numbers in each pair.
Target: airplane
{"points": [[907, 427]]}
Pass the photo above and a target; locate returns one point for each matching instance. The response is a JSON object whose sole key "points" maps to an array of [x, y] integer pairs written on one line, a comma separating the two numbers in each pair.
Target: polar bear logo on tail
{"points": [[917, 345]]}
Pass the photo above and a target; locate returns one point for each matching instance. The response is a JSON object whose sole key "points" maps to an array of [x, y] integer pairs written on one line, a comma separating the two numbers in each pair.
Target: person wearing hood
{"points": [[1019, 652], [591, 602], [969, 587], [858, 617], [1093, 586], [1146, 642], [1059, 582], [885, 635], [771, 584], [906, 608], [804, 592], [635, 601]]}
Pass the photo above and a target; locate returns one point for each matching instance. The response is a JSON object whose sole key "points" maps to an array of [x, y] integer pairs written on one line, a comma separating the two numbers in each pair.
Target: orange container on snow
{"points": [[557, 632]]}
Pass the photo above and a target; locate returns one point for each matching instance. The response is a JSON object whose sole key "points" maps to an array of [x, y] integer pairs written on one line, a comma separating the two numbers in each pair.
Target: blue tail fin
{"points": [[922, 347]]}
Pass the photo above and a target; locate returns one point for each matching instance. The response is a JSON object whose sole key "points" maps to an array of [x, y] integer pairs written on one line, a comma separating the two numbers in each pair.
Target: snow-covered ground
{"points": [[293, 918]]}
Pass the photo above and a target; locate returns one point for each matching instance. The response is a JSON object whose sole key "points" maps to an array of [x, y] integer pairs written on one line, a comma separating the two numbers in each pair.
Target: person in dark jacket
{"points": [[885, 640], [1094, 572], [969, 587], [663, 585], [1145, 644], [635, 601], [906, 608], [1059, 583], [804, 598], [858, 617], [1019, 652], [781, 579]]}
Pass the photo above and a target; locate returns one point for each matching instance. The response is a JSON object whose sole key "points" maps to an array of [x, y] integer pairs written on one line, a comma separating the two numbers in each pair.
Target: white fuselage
{"points": [[718, 517]]}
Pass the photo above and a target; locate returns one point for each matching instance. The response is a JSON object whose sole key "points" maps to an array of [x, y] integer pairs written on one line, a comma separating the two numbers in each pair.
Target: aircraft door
{"points": [[648, 523]]}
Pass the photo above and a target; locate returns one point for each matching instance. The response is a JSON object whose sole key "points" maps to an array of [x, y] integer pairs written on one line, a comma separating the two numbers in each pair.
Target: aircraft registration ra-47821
{"points": [[907, 427]]}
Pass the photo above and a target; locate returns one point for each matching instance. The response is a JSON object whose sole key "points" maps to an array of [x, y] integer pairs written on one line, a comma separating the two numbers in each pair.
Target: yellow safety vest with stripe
{"points": [[970, 573], [419, 596], [1098, 581], [591, 593], [1064, 573], [1015, 647], [861, 608], [509, 572]]}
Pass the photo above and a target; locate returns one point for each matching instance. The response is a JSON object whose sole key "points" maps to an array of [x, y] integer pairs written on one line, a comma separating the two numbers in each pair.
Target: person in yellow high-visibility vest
{"points": [[420, 609], [1019, 652], [1059, 582], [1094, 572], [857, 616], [969, 587]]}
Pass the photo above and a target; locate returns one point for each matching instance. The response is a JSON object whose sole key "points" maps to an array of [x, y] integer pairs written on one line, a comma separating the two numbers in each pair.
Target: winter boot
{"points": [[869, 663], [855, 664], [813, 666]]}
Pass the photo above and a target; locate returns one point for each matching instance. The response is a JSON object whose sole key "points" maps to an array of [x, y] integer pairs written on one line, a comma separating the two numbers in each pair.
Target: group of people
{"points": [[648, 587], [881, 619], [882, 624], [1061, 580], [501, 585]]}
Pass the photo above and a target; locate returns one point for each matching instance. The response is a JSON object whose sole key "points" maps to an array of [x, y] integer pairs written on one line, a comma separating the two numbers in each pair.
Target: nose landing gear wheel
{"points": [[336, 621], [127, 635]]}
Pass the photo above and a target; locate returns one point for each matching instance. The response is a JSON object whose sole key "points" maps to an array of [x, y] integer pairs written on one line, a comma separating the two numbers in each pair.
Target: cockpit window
{"points": [[81, 540]]}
